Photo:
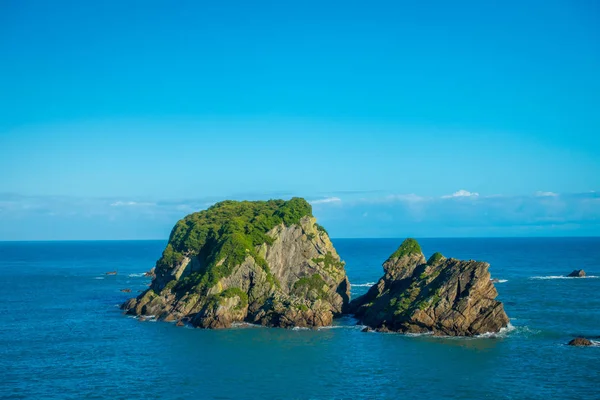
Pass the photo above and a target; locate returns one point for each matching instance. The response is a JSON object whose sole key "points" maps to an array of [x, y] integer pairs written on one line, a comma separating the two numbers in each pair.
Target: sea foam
{"points": [[564, 277], [368, 284], [502, 333]]}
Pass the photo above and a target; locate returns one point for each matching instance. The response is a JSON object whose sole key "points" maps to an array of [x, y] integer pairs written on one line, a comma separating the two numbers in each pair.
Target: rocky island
{"points": [[443, 296], [262, 262]]}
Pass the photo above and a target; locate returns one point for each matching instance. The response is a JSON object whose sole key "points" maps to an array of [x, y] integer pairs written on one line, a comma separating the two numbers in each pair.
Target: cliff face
{"points": [[443, 296], [260, 262]]}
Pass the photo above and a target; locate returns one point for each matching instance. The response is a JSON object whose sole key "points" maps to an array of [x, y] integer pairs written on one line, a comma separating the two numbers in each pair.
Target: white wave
{"points": [[300, 328], [99, 277], [352, 327], [368, 284], [246, 325], [503, 332], [500, 280], [419, 334], [146, 318], [564, 277], [595, 343], [136, 275]]}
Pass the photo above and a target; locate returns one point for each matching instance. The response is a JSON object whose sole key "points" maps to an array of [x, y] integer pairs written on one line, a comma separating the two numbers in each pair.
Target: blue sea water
{"points": [[63, 336]]}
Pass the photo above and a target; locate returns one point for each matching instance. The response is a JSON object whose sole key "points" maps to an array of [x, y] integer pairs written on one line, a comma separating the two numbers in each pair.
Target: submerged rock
{"points": [[580, 341], [111, 273], [264, 262], [126, 290], [578, 273], [443, 295]]}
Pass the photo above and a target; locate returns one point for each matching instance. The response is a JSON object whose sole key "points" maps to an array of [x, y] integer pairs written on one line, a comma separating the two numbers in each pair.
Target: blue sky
{"points": [[395, 118]]}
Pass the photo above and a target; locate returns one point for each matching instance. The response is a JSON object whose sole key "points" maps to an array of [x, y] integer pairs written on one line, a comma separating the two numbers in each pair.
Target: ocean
{"points": [[62, 335]]}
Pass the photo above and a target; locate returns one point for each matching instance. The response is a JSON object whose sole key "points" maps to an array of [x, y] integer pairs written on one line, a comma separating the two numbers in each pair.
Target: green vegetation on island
{"points": [[226, 233], [265, 262], [408, 247]]}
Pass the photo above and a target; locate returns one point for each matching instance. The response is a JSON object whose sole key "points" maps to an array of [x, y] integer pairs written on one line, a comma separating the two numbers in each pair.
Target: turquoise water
{"points": [[63, 336]]}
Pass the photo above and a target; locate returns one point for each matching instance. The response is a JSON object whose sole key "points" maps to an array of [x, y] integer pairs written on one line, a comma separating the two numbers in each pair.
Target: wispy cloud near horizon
{"points": [[326, 200], [63, 217], [545, 194], [461, 193], [131, 204]]}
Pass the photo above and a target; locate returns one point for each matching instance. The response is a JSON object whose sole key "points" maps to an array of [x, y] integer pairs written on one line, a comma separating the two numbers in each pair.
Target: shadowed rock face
{"points": [[443, 296], [259, 262], [578, 273]]}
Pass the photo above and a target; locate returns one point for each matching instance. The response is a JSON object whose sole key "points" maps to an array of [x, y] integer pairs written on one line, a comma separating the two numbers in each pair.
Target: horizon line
{"points": [[332, 238]]}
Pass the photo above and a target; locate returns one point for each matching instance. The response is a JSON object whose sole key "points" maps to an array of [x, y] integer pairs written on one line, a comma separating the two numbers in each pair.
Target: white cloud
{"points": [[405, 197], [393, 198], [461, 193], [327, 200], [545, 194], [130, 204]]}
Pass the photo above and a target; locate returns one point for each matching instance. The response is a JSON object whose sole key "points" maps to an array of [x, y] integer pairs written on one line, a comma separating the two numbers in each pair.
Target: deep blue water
{"points": [[62, 335]]}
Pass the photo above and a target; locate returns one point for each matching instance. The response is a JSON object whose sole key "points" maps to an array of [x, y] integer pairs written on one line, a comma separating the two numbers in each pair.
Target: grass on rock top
{"points": [[435, 257], [229, 231], [408, 247]]}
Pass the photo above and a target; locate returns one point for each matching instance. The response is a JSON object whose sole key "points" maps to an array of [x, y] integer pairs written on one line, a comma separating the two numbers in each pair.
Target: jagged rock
{"points": [[443, 296], [261, 262], [580, 341], [169, 318], [578, 273], [149, 274]]}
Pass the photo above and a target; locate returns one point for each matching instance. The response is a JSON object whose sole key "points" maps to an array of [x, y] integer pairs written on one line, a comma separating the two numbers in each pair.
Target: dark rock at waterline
{"points": [[126, 290], [366, 329], [169, 318], [150, 273], [443, 295], [580, 341], [578, 273], [111, 273]]}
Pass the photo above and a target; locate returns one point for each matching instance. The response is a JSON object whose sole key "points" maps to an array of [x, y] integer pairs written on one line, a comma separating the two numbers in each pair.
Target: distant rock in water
{"points": [[126, 290], [442, 295], [264, 262], [578, 273], [111, 273], [580, 341]]}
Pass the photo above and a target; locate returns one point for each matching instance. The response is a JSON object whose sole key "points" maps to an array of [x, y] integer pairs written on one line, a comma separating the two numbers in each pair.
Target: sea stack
{"points": [[578, 273], [443, 296], [263, 262]]}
